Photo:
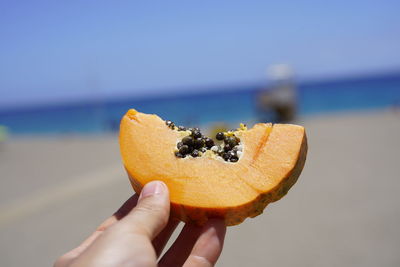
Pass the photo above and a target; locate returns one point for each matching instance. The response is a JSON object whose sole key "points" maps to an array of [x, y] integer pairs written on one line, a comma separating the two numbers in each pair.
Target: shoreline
{"points": [[206, 126]]}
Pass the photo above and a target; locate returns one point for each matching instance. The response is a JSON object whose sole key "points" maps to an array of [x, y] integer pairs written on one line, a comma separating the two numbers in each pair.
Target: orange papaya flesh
{"points": [[207, 187]]}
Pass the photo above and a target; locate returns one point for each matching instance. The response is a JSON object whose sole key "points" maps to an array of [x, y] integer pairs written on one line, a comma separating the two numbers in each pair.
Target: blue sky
{"points": [[63, 50]]}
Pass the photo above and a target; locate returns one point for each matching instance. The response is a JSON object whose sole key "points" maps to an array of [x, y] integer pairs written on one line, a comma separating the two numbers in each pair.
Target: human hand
{"points": [[137, 233]]}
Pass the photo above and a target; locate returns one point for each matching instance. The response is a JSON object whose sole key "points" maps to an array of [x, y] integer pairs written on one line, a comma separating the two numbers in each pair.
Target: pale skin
{"points": [[137, 233]]}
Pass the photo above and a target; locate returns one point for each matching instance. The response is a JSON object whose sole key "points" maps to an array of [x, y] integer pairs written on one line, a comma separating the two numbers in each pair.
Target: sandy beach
{"points": [[344, 210]]}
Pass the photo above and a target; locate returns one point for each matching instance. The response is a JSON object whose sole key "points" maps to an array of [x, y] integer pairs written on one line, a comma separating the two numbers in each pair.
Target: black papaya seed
{"points": [[198, 143], [179, 155], [196, 134], [209, 142], [195, 153], [184, 149], [187, 140], [231, 141], [225, 156], [234, 159], [179, 145], [227, 147], [220, 136]]}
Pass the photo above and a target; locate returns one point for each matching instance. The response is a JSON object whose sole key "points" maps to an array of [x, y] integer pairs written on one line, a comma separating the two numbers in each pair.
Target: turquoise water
{"points": [[229, 105]]}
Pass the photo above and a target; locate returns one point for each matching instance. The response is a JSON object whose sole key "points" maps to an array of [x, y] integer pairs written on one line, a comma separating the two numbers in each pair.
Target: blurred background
{"points": [[69, 70]]}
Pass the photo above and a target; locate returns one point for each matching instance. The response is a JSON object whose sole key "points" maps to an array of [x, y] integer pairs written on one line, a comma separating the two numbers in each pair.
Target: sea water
{"points": [[216, 105]]}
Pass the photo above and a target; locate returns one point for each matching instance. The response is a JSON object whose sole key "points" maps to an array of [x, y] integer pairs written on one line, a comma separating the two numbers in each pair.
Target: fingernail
{"points": [[152, 188]]}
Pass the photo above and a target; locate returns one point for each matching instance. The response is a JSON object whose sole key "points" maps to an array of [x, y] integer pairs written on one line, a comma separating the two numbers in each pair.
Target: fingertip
{"points": [[209, 246], [153, 188], [152, 211], [218, 225]]}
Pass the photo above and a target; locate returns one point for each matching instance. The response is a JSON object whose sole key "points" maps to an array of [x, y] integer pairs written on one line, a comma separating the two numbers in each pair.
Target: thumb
{"points": [[151, 213]]}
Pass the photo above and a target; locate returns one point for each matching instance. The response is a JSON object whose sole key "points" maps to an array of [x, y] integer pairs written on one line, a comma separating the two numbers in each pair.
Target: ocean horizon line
{"points": [[194, 91]]}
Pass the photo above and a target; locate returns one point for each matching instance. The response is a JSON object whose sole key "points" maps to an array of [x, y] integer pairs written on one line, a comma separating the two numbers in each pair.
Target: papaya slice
{"points": [[205, 187]]}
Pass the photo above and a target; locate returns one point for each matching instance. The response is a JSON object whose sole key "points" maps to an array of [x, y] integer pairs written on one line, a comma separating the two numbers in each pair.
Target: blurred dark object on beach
{"points": [[278, 101]]}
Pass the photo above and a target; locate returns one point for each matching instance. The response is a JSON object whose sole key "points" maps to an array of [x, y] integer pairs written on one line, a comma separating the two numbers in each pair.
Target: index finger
{"points": [[208, 246]]}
